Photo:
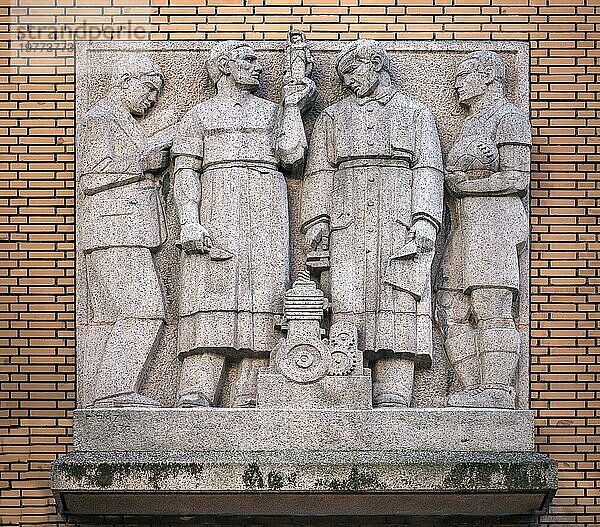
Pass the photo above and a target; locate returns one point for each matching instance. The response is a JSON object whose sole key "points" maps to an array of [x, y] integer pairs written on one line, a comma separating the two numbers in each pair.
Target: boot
{"points": [[483, 398], [201, 380], [462, 353], [393, 384], [499, 357]]}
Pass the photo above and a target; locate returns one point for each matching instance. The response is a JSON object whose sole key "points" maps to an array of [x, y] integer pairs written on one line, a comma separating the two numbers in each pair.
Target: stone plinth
{"points": [[246, 430], [193, 463]]}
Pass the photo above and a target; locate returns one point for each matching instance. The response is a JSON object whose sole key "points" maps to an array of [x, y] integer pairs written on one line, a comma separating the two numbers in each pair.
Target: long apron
{"points": [[231, 304]]}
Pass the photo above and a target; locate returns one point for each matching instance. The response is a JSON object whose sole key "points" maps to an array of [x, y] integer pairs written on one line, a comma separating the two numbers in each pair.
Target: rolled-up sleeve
{"points": [[428, 179]]}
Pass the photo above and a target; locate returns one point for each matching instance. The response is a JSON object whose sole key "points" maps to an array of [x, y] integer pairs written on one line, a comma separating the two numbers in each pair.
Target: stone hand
{"points": [[194, 239], [155, 161], [424, 233], [299, 94], [317, 237], [454, 178]]}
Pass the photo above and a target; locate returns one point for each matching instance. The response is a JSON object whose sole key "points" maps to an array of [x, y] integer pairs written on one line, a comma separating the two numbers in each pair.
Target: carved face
{"points": [[469, 82], [139, 94], [361, 75], [244, 68]]}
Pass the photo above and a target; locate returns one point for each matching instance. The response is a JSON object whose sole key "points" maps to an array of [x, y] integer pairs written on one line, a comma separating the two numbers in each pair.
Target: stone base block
{"points": [[301, 484], [245, 430], [350, 392]]}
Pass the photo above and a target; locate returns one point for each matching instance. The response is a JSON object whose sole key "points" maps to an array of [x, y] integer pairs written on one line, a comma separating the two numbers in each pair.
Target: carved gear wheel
{"points": [[303, 362], [343, 361]]}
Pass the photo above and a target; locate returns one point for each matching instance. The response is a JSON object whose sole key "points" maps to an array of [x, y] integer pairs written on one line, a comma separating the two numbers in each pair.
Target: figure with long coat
{"points": [[232, 201], [373, 188]]}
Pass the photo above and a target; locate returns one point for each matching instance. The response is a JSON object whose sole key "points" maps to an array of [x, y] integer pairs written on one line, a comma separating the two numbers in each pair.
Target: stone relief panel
{"points": [[200, 203]]}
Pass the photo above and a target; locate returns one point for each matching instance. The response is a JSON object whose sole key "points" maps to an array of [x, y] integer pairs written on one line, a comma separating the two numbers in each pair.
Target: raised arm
{"points": [[291, 143]]}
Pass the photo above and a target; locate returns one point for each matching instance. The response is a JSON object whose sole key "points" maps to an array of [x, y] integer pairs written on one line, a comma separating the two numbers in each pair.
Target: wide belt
{"points": [[261, 166], [374, 162]]}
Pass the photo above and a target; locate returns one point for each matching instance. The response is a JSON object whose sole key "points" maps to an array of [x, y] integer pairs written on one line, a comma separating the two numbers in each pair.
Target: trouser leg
{"points": [[201, 379], [128, 291], [460, 340], [245, 386], [396, 339], [393, 384], [128, 351], [498, 336], [499, 345]]}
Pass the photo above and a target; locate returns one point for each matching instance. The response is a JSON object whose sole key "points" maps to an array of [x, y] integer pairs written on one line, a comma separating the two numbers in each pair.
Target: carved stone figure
{"points": [[122, 222], [487, 174], [233, 208], [372, 195], [299, 62]]}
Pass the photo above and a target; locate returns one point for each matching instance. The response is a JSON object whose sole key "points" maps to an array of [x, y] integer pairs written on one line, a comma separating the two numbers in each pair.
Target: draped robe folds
{"points": [[375, 167], [230, 305]]}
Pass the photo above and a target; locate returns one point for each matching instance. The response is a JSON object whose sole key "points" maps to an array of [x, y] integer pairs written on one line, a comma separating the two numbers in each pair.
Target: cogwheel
{"points": [[303, 361], [343, 361]]}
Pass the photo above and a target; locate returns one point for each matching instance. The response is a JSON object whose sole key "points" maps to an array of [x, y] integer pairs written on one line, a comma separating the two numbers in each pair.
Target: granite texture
{"points": [[121, 222], [423, 75], [372, 197], [349, 392], [241, 430], [479, 284], [278, 289]]}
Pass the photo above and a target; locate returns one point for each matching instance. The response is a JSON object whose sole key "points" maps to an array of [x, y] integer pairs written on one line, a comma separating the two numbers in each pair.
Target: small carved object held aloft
{"points": [[299, 63]]}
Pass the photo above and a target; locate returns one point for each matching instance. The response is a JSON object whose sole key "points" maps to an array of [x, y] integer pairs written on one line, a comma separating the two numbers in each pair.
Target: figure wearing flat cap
{"points": [[373, 194], [487, 174]]}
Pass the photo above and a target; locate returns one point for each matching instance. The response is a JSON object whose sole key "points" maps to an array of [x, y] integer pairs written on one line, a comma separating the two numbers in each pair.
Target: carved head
{"points": [[477, 73], [361, 64], [235, 60], [137, 81], [296, 36]]}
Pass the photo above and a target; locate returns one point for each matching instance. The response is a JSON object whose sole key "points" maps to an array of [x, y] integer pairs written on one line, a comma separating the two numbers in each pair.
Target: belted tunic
{"points": [[488, 231], [231, 304]]}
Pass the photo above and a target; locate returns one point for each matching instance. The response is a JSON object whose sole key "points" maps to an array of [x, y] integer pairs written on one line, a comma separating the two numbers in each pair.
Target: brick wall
{"points": [[36, 203]]}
